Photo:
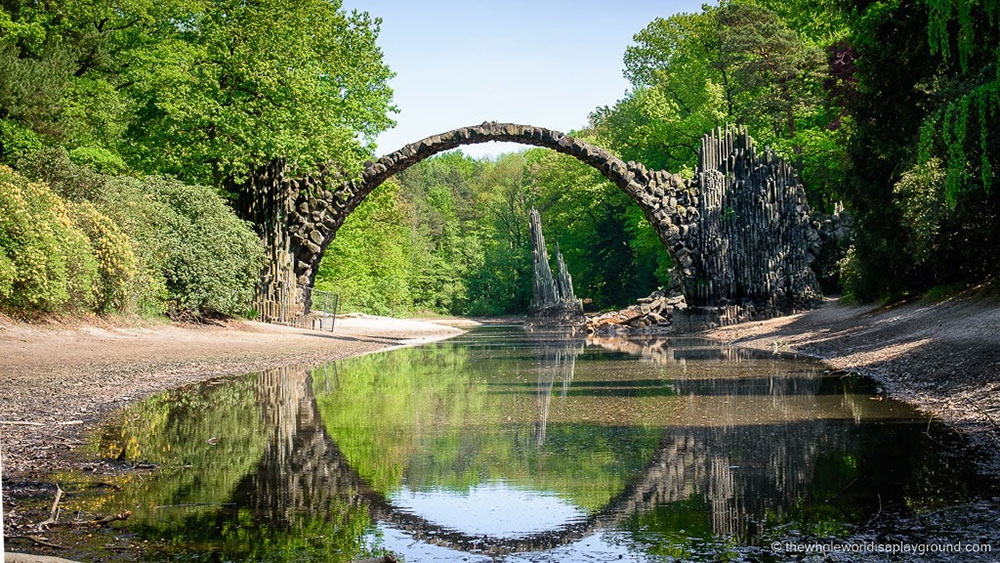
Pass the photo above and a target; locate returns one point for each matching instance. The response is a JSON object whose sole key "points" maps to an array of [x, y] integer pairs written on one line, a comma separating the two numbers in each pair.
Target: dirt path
{"points": [[943, 357], [55, 384]]}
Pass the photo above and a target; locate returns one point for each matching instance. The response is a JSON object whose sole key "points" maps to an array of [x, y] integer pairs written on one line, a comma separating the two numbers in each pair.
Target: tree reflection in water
{"points": [[661, 443]]}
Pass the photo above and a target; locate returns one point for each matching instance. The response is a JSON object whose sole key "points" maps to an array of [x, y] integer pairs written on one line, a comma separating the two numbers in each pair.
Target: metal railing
{"points": [[323, 312], [286, 304]]}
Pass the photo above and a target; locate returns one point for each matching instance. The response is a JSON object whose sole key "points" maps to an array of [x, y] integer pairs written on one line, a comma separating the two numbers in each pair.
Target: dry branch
{"points": [[53, 513], [27, 423], [39, 541]]}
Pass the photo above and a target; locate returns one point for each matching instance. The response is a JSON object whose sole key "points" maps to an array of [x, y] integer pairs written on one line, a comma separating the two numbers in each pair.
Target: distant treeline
{"points": [[889, 106], [451, 235]]}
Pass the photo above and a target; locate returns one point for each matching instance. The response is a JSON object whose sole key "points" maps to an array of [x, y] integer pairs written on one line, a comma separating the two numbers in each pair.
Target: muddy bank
{"points": [[943, 357], [56, 384]]}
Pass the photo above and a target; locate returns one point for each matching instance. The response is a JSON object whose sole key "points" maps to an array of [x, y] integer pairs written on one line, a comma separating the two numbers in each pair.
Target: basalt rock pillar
{"points": [[550, 297]]}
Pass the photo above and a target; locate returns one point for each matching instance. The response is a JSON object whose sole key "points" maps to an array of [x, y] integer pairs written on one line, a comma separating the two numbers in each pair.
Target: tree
{"points": [[776, 76], [234, 85], [922, 156], [65, 66], [368, 263], [738, 63]]}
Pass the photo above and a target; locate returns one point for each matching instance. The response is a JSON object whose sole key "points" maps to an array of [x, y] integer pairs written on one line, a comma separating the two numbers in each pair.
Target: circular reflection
{"points": [[494, 509]]}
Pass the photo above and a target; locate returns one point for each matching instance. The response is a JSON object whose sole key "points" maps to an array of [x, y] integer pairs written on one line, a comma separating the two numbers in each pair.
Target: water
{"points": [[528, 447]]}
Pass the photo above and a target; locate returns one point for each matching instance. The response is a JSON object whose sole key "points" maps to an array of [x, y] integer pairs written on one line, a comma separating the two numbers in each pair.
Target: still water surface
{"points": [[525, 446]]}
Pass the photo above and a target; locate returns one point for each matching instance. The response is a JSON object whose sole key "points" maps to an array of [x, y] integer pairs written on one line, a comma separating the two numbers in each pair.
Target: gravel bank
{"points": [[943, 357], [58, 383]]}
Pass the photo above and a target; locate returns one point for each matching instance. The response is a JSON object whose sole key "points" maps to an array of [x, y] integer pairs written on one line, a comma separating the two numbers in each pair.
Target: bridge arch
{"points": [[739, 233], [631, 177]]}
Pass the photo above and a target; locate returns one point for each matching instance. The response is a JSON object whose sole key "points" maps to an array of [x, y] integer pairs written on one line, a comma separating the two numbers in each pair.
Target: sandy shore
{"points": [[942, 357], [55, 383]]}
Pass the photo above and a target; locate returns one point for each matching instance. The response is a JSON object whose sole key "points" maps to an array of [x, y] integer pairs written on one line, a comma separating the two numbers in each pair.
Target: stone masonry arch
{"points": [[739, 233], [631, 177]]}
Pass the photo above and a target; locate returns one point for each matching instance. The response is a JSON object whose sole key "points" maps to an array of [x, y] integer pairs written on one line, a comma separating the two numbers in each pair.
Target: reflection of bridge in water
{"points": [[741, 470]]}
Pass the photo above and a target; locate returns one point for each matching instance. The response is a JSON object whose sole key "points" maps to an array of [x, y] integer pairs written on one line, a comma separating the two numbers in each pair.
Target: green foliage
{"points": [[206, 90], [920, 194], [213, 258], [211, 443], [969, 107], [367, 264], [17, 142], [450, 237], [922, 154], [48, 262], [776, 76], [163, 245], [453, 237], [100, 159], [443, 416], [116, 262], [738, 63], [819, 23], [611, 250], [240, 84]]}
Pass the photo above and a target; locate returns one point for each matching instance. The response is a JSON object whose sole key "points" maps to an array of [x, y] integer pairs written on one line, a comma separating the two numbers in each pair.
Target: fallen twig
{"points": [[39, 541], [53, 513], [844, 490], [102, 521], [27, 423], [112, 518], [984, 413], [877, 514]]}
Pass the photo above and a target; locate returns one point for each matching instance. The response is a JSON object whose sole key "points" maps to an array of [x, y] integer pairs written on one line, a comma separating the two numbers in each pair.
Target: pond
{"points": [[527, 446]]}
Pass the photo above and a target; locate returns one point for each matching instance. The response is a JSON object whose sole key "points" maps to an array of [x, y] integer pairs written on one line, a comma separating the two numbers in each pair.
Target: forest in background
{"points": [[887, 106]]}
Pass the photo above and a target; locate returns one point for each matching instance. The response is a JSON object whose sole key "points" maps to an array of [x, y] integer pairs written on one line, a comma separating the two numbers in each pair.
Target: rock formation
{"points": [[550, 298], [739, 232], [650, 315]]}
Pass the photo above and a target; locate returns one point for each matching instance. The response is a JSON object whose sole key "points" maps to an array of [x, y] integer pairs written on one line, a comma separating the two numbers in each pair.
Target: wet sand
{"points": [[57, 383]]}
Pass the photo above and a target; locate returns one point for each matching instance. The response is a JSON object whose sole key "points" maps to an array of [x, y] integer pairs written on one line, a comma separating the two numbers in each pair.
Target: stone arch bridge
{"points": [[739, 233]]}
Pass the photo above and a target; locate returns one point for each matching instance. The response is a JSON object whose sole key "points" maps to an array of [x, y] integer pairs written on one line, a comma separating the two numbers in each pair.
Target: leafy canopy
{"points": [[202, 89]]}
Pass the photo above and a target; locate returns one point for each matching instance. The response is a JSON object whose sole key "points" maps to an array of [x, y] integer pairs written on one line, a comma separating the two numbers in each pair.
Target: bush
{"points": [[101, 160], [7, 274], [213, 259], [48, 262], [116, 262], [187, 252], [920, 194], [17, 142]]}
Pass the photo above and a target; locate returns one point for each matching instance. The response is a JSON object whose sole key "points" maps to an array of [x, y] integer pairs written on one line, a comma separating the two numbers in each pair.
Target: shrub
{"points": [[17, 141], [920, 194], [158, 244], [48, 261], [101, 160], [116, 262], [213, 258], [7, 274]]}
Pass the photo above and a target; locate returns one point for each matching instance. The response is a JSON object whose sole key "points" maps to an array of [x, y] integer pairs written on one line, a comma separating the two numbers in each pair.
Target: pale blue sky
{"points": [[547, 63]]}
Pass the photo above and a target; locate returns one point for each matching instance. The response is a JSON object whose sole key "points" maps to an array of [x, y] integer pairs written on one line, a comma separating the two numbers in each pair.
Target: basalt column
{"points": [[753, 241], [294, 215], [549, 299], [265, 201]]}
